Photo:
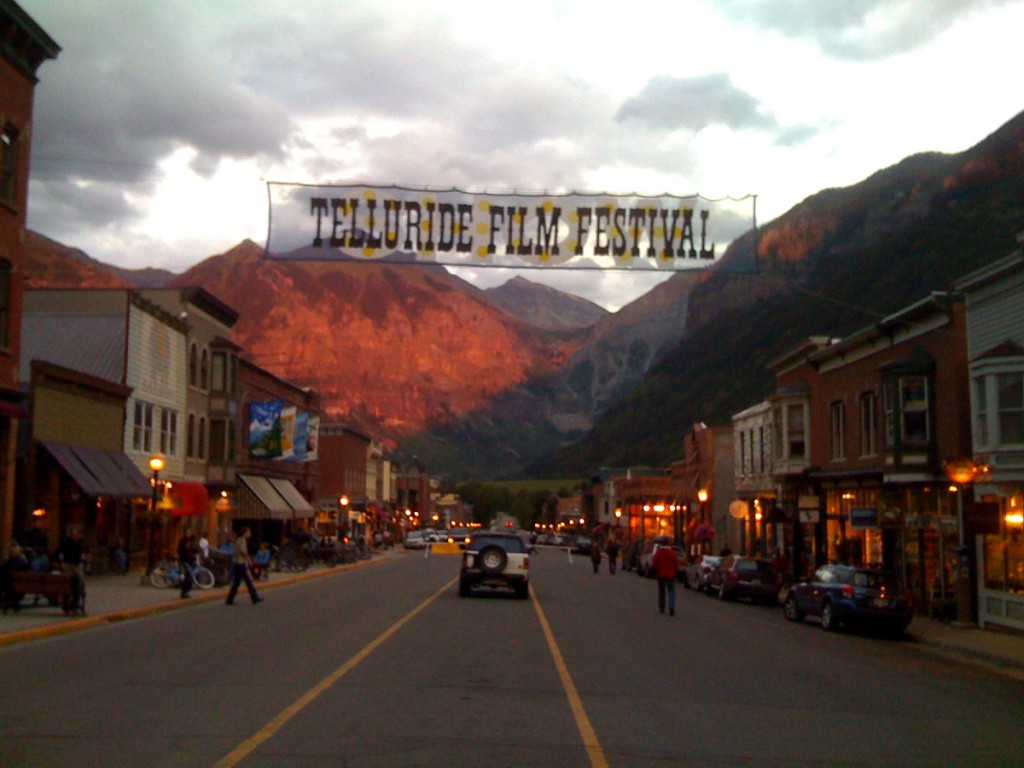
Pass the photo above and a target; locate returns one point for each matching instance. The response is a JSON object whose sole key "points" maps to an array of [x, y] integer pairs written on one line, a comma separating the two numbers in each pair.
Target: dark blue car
{"points": [[845, 594]]}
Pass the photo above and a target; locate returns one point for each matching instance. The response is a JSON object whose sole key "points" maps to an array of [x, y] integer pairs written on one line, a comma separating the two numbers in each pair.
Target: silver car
{"points": [[698, 573]]}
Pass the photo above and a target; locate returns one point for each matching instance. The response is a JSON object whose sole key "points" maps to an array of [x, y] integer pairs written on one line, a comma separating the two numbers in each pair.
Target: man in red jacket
{"points": [[665, 564]]}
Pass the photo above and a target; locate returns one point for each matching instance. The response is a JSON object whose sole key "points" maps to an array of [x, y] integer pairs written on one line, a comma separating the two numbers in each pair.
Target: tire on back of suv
{"points": [[502, 560], [492, 560]]}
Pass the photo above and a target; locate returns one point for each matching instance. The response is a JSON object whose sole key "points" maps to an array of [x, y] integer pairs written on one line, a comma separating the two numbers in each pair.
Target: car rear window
{"points": [[508, 543], [762, 567], [868, 579]]}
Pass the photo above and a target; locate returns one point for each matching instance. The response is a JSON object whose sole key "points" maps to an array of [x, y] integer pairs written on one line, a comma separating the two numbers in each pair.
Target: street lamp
{"points": [[962, 473], [702, 498], [156, 464], [342, 511]]}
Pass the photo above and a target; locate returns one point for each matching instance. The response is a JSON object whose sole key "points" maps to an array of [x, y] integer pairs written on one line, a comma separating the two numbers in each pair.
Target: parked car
{"points": [[495, 560], [845, 594], [582, 545], [745, 577], [415, 540], [697, 574], [645, 568]]}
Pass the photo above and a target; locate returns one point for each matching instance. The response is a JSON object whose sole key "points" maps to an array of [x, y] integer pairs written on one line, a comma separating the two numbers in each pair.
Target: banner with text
{"points": [[477, 229]]}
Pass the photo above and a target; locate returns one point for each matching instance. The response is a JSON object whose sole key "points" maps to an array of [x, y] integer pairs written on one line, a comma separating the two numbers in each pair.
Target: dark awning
{"points": [[262, 501], [99, 472]]}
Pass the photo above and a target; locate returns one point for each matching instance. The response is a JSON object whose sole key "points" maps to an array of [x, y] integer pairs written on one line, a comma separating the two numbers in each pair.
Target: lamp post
{"points": [[156, 464], [702, 497], [962, 473], [342, 513]]}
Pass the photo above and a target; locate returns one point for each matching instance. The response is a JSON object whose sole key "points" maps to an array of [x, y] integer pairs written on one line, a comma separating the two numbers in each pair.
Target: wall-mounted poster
{"points": [[265, 430]]}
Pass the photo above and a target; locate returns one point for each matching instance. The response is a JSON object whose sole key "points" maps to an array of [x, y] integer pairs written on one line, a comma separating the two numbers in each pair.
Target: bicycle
{"points": [[291, 559], [169, 574]]}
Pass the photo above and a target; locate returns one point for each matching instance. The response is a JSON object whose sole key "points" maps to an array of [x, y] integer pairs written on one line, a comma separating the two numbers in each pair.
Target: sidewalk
{"points": [[118, 598], [1000, 652]]}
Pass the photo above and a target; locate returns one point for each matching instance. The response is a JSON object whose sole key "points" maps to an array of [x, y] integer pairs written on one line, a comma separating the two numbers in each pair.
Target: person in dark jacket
{"points": [[187, 550], [665, 565], [612, 547], [72, 554], [595, 556], [16, 561]]}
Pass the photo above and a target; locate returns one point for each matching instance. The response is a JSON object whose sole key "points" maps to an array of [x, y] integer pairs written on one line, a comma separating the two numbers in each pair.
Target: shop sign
{"points": [[863, 518], [809, 516]]}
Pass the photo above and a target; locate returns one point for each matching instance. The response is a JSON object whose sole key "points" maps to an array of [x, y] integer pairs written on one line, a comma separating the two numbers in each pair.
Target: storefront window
{"points": [[1004, 552], [1004, 564], [845, 542]]}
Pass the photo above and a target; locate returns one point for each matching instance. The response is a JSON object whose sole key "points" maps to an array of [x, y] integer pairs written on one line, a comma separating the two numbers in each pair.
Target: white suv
{"points": [[495, 560]]}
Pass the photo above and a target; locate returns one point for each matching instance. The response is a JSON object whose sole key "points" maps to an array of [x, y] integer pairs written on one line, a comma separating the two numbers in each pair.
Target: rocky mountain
{"points": [[536, 417], [831, 265], [49, 264], [148, 277], [545, 307], [391, 347]]}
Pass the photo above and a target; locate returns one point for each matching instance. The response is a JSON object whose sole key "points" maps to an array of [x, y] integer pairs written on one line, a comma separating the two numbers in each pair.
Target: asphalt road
{"points": [[387, 666]]}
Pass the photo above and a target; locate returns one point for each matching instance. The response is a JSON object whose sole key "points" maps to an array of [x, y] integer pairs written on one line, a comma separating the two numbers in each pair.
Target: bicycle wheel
{"points": [[203, 577], [158, 577]]}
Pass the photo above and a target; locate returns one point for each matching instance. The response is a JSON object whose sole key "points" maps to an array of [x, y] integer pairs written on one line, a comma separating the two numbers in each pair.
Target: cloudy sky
{"points": [[160, 122]]}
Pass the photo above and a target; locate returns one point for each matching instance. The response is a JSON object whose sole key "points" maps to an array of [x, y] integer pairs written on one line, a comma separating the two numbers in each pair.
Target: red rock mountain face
{"points": [[393, 348], [48, 264]]}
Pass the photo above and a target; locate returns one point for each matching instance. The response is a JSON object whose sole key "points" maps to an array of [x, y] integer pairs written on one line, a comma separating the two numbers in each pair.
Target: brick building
{"points": [[278, 467], [343, 501], [25, 46], [862, 429]]}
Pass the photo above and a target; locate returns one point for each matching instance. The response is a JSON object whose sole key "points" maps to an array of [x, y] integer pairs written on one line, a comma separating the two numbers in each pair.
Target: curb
{"points": [[992, 662], [68, 626]]}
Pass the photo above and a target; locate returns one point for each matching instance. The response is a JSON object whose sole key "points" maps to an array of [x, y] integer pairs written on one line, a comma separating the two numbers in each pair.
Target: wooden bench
{"points": [[58, 589]]}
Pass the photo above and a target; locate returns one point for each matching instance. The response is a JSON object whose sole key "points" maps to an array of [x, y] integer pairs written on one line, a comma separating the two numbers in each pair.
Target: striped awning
{"points": [[291, 494], [271, 497]]}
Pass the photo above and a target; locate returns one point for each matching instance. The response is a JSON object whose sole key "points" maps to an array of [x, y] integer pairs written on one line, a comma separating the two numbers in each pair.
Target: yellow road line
{"points": [[590, 741], [244, 749]]}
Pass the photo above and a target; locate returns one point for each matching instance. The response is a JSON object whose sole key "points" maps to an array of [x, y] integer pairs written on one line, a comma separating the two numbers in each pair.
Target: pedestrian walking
{"points": [[186, 559], [613, 554], [240, 562], [595, 556], [665, 565]]}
